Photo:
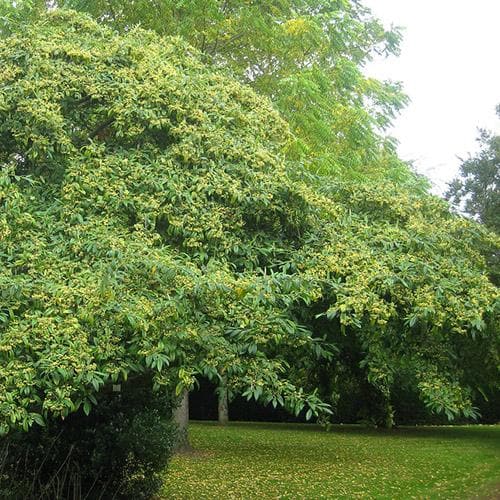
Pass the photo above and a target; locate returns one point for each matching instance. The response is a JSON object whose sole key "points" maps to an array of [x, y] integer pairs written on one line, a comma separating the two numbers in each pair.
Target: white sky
{"points": [[450, 68]]}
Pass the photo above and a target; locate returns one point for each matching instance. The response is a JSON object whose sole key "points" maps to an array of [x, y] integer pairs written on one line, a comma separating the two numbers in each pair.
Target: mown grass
{"points": [[289, 461]]}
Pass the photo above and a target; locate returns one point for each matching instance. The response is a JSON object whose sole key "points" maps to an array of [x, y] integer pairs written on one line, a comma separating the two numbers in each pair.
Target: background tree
{"points": [[476, 191]]}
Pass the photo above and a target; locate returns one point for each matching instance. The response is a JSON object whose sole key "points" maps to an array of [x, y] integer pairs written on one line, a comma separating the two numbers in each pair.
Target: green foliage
{"points": [[150, 223], [14, 14], [307, 56], [119, 450], [404, 294], [477, 190], [142, 195], [302, 461]]}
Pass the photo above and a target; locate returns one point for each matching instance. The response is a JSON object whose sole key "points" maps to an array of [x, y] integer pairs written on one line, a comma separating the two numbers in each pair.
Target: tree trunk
{"points": [[223, 404], [389, 416], [181, 418]]}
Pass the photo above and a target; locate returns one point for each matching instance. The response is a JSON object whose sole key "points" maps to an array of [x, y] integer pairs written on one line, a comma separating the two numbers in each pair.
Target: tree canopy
{"points": [[137, 189], [307, 56], [153, 221], [477, 188]]}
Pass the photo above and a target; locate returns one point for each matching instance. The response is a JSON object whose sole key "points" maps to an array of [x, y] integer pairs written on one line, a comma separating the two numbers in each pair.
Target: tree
{"points": [[153, 222], [141, 196], [477, 190], [223, 403], [307, 56]]}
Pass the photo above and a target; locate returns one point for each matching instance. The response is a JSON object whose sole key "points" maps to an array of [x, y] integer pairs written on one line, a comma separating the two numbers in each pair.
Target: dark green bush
{"points": [[118, 451]]}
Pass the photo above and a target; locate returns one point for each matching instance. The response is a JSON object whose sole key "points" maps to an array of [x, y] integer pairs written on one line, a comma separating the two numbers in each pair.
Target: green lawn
{"points": [[292, 461]]}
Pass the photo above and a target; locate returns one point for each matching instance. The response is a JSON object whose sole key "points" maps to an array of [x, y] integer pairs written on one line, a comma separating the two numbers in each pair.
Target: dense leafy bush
{"points": [[118, 451]]}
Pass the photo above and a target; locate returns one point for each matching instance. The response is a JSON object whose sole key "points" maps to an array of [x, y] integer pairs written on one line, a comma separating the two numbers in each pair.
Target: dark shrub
{"points": [[118, 451]]}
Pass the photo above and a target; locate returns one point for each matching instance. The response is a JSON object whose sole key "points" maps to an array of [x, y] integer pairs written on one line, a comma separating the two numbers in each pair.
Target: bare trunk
{"points": [[181, 418], [389, 416], [223, 404]]}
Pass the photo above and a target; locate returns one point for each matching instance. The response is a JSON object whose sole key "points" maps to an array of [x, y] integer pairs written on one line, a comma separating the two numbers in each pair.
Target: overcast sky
{"points": [[450, 68]]}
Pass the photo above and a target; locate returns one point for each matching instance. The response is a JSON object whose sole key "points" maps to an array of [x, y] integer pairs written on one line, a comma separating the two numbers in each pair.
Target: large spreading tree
{"points": [[142, 195], [152, 222]]}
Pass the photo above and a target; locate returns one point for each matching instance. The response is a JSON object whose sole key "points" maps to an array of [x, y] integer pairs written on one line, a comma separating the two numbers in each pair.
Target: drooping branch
{"points": [[100, 128]]}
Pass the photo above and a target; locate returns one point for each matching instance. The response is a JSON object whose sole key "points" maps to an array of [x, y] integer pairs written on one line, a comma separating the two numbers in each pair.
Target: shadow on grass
{"points": [[487, 433]]}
